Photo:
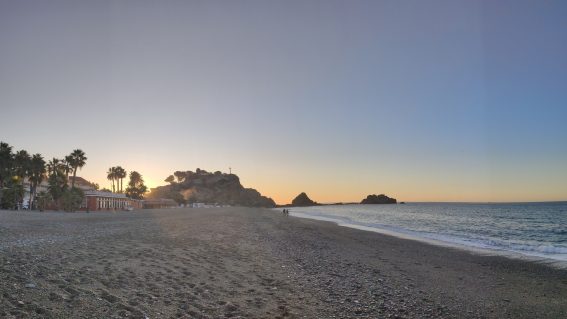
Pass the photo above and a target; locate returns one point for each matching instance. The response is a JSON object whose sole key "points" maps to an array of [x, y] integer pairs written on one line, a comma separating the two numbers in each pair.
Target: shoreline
{"points": [[252, 263], [487, 251]]}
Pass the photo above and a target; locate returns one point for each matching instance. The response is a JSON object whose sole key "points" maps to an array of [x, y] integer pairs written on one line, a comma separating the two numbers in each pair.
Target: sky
{"points": [[419, 100]]}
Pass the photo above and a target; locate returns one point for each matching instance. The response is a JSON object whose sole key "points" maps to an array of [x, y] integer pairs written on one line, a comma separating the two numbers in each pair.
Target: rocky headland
{"points": [[212, 188]]}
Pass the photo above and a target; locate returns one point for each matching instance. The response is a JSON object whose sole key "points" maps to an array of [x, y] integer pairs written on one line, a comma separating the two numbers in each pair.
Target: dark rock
{"points": [[302, 200], [378, 199]]}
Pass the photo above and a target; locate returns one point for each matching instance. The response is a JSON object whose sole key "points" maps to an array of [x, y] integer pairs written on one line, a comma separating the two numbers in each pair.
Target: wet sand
{"points": [[252, 263]]}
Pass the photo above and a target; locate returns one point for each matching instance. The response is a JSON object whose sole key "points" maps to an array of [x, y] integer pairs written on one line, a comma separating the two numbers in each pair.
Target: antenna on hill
{"points": [[230, 170]]}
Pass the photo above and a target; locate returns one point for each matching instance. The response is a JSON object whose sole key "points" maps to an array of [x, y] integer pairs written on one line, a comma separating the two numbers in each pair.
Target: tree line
{"points": [[135, 188], [16, 167]]}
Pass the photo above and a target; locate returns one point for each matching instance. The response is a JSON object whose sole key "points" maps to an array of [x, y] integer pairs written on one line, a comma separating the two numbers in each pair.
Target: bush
{"points": [[12, 194], [72, 199]]}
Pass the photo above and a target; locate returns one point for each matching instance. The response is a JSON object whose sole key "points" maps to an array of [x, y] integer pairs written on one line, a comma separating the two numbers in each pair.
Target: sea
{"points": [[522, 229]]}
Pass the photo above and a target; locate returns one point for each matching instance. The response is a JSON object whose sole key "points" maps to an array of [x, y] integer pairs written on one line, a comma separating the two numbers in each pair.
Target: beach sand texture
{"points": [[251, 263]]}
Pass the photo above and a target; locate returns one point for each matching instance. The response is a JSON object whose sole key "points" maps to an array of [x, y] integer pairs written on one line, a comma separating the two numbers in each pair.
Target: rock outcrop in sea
{"points": [[378, 199], [303, 200], [210, 188]]}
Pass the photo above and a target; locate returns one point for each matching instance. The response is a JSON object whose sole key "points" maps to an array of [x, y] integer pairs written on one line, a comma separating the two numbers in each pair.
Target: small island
{"points": [[303, 200], [378, 199]]}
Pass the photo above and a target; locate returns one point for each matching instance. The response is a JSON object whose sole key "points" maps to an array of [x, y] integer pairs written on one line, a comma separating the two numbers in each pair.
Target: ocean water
{"points": [[532, 229]]}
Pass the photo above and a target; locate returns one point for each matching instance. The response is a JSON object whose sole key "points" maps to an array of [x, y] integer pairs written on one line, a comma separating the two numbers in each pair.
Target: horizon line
{"points": [[453, 202]]}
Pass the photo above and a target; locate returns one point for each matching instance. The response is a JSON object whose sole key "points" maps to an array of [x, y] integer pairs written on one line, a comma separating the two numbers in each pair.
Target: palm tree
{"points": [[67, 168], [22, 165], [111, 176], [57, 180], [77, 159], [6, 163], [54, 166], [120, 174], [22, 161], [37, 175]]}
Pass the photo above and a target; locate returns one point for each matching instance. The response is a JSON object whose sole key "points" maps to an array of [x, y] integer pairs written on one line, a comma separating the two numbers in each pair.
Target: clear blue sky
{"points": [[422, 100]]}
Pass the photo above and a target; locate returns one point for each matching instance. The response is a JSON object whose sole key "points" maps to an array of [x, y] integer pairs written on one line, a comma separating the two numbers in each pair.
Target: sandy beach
{"points": [[251, 263]]}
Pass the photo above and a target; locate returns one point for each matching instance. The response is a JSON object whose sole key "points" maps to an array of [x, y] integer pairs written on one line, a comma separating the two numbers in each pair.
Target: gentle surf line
{"points": [[557, 260]]}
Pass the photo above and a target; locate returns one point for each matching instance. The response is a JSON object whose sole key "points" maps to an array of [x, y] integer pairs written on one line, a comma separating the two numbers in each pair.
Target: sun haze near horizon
{"points": [[422, 101]]}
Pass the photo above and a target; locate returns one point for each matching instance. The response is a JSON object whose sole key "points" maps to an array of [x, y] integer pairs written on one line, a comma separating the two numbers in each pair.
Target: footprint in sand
{"points": [[109, 297]]}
